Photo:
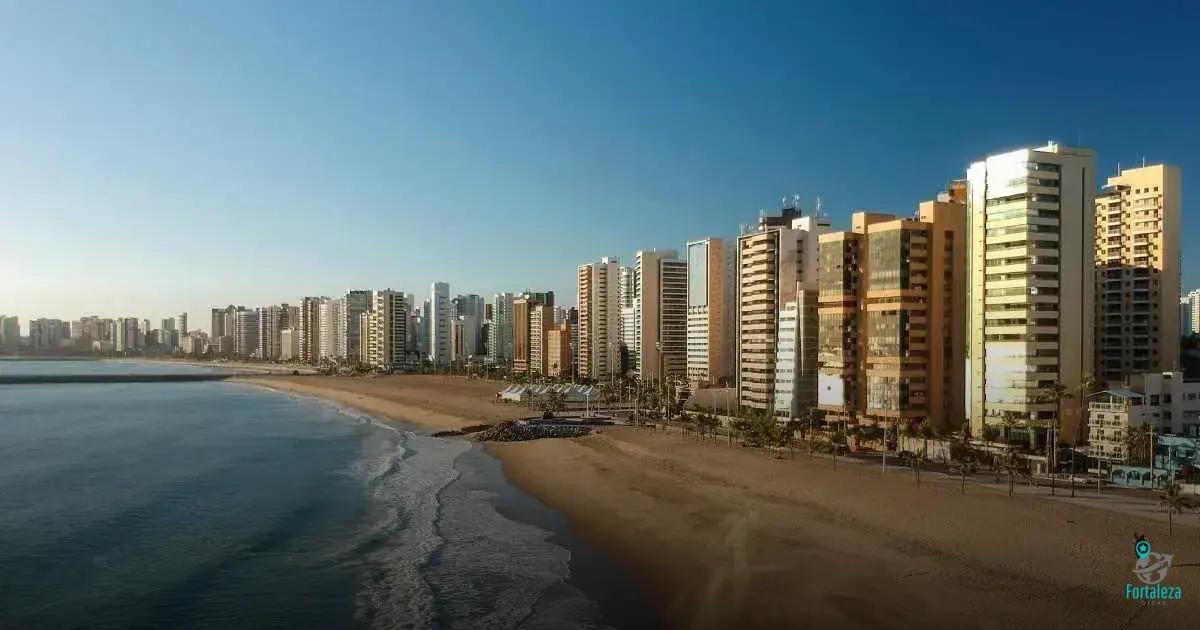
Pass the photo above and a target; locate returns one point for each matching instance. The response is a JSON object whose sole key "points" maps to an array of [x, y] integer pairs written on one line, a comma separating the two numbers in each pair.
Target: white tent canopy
{"points": [[571, 393]]}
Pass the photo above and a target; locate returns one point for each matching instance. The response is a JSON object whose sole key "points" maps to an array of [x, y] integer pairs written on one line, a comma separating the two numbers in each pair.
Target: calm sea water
{"points": [[196, 505]]}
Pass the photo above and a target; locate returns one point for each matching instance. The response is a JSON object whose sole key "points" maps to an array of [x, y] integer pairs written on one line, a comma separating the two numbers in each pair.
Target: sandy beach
{"points": [[723, 536]]}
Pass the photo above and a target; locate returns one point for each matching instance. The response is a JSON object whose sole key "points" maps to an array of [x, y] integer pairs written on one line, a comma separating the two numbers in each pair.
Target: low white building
{"points": [[1167, 401]]}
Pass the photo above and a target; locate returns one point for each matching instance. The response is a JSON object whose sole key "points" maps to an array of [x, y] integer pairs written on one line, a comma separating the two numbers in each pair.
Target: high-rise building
{"points": [[331, 344], [181, 324], [572, 324], [500, 339], [46, 334], [357, 302], [469, 311], [1137, 273], [525, 307], [541, 321], [558, 350], [776, 264], [246, 333], [387, 324], [893, 317], [272, 320], [627, 327], [289, 344], [10, 332], [1031, 302], [309, 330], [125, 333], [1193, 299], [660, 324], [599, 318], [441, 311], [710, 312], [1185, 316]]}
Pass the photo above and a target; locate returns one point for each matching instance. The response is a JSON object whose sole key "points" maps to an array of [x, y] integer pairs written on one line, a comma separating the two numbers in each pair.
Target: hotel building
{"points": [[1031, 303]]}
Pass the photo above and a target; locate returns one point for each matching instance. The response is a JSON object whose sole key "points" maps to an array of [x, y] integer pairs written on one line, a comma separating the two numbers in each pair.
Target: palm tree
{"points": [[1054, 395], [1011, 464], [1173, 499], [1140, 442]]}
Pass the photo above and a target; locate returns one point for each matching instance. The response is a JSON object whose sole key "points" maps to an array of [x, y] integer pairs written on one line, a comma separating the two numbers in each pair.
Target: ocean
{"points": [[214, 504]]}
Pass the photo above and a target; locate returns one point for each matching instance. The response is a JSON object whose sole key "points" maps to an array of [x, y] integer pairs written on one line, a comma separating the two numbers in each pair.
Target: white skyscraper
{"points": [[331, 344], [441, 311]]}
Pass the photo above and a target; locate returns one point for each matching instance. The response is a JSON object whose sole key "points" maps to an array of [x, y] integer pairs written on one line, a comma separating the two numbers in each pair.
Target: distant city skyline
{"points": [[161, 160]]}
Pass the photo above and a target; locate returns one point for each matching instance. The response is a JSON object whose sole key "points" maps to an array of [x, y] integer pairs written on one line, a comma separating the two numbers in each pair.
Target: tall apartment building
{"points": [[541, 321], [1031, 302], [1185, 316], [272, 320], [289, 344], [500, 339], [386, 335], [558, 350], [525, 307], [893, 318], [468, 310], [776, 264], [309, 330], [355, 303], [46, 334], [628, 324], [599, 318], [10, 332], [572, 324], [1137, 273], [245, 337], [331, 327], [1193, 311], [659, 315], [181, 324], [125, 333], [709, 312], [441, 311]]}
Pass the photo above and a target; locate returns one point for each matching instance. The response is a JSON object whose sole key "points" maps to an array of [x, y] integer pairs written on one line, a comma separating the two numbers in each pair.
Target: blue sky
{"points": [[158, 157]]}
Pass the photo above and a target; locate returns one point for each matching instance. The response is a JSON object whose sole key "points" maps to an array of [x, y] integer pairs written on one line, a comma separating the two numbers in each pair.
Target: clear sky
{"points": [[158, 157]]}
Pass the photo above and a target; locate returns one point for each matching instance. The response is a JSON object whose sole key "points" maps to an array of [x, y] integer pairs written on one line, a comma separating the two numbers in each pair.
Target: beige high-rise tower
{"points": [[775, 264], [1031, 224], [1137, 273], [599, 318]]}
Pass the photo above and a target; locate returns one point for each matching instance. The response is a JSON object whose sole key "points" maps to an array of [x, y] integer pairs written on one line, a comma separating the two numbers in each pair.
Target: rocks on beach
{"points": [[520, 430]]}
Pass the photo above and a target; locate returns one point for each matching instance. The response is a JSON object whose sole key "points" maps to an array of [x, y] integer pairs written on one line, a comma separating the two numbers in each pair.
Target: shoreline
{"points": [[717, 535]]}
